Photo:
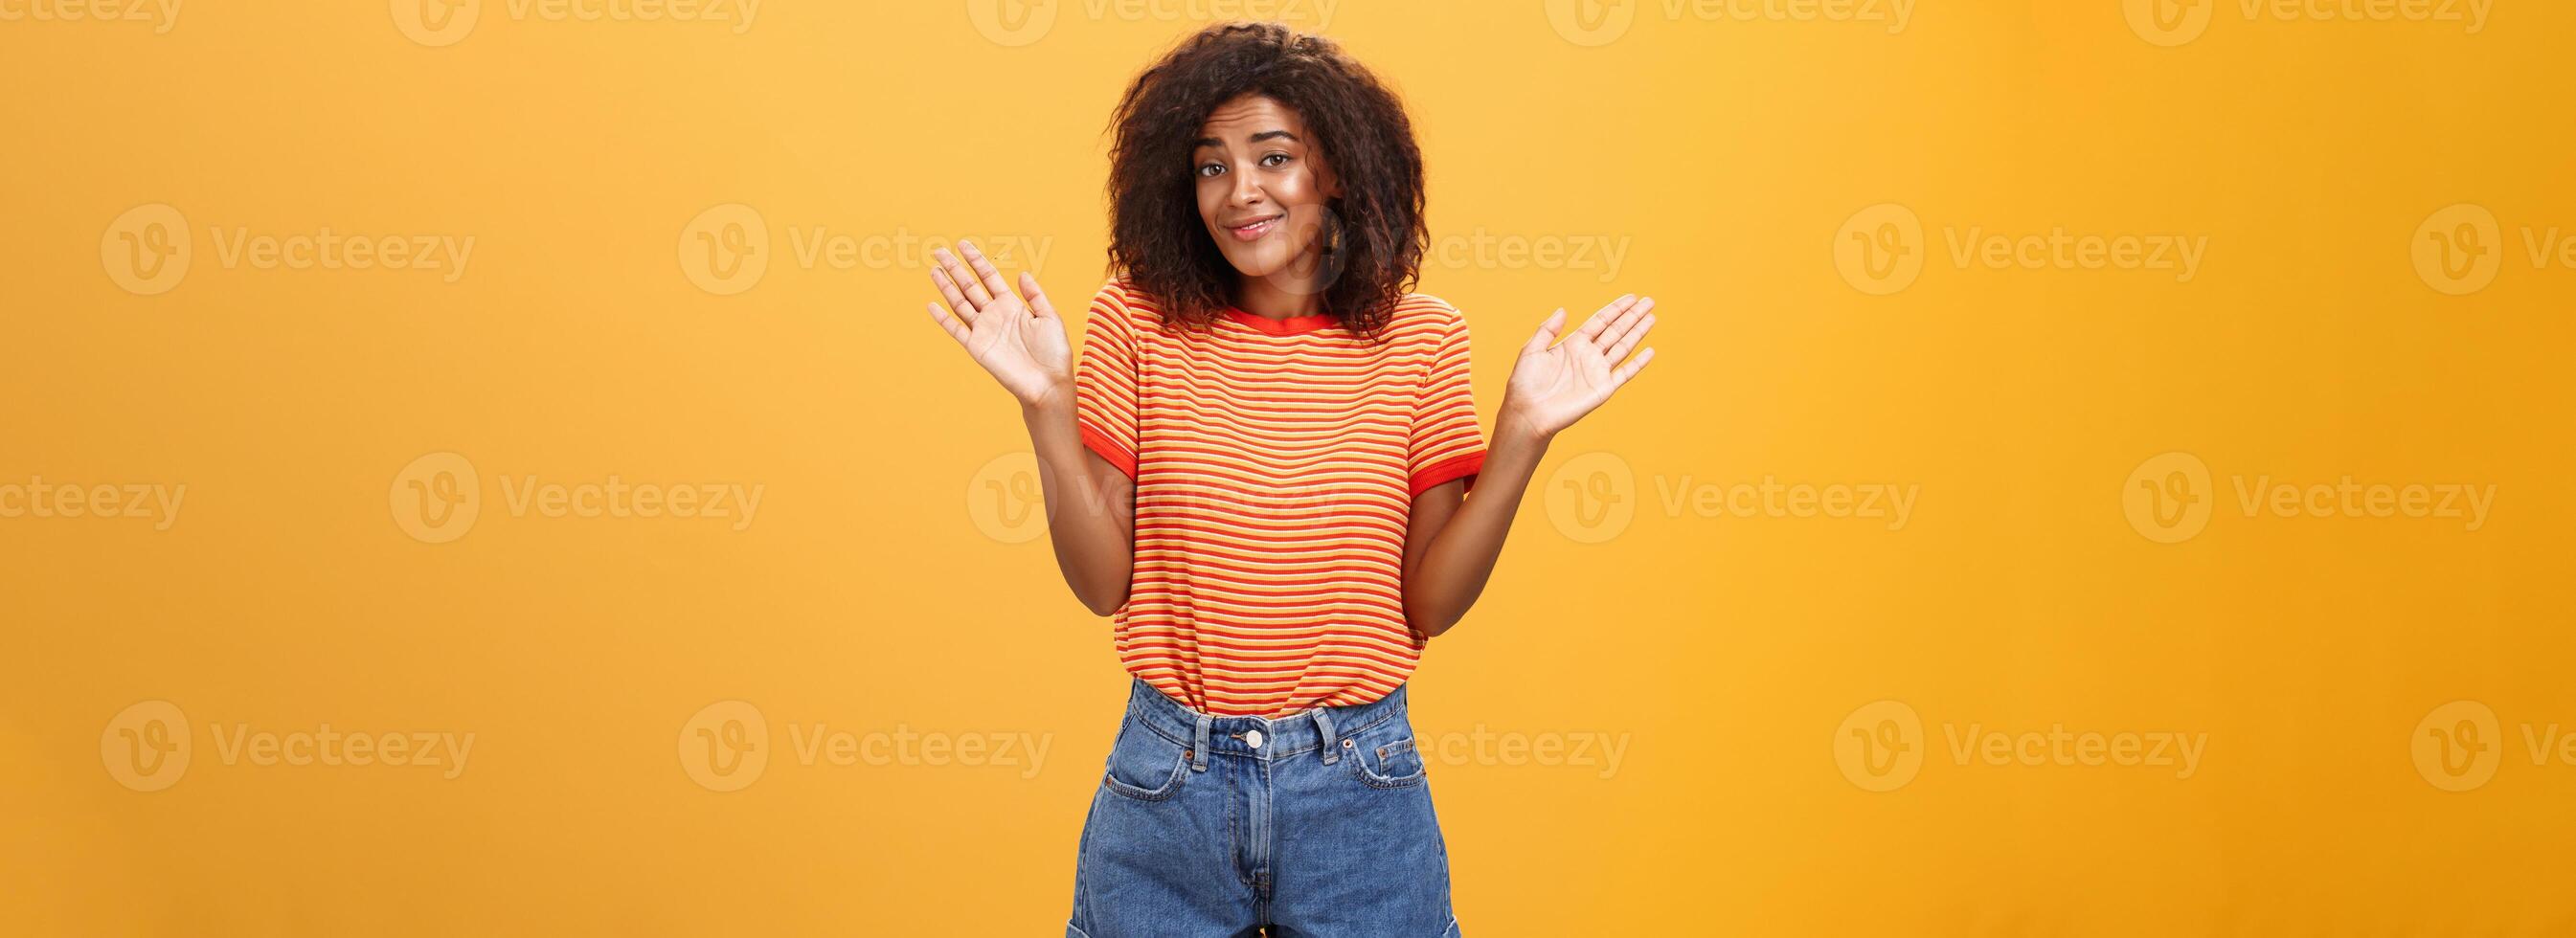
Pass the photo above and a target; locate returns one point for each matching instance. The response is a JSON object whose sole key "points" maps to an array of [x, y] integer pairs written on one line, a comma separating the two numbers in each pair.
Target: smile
{"points": [[1254, 231]]}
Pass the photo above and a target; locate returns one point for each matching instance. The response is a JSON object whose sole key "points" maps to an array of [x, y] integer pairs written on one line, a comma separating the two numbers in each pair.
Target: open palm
{"points": [[1556, 382], [1021, 343]]}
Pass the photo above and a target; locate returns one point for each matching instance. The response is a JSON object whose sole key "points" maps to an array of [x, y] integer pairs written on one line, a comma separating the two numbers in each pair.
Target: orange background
{"points": [[889, 584]]}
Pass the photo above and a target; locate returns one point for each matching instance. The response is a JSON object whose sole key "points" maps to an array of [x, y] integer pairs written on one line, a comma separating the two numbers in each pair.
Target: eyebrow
{"points": [[1256, 138]]}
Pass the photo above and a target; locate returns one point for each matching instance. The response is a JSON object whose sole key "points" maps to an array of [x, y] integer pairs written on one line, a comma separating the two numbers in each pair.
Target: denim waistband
{"points": [[1256, 737]]}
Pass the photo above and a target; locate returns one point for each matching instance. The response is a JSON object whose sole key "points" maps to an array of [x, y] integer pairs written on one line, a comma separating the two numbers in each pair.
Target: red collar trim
{"points": [[1292, 325]]}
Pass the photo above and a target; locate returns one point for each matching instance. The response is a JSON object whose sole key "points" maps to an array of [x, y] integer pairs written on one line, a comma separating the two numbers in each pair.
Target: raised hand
{"points": [[1556, 382], [1022, 343]]}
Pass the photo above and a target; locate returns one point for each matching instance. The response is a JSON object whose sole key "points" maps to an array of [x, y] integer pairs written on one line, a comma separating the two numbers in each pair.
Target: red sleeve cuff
{"points": [[1099, 442], [1463, 466]]}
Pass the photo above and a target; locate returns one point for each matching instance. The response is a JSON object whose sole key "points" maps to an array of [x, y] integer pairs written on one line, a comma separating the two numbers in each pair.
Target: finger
{"points": [[948, 290], [1036, 298], [991, 277], [1629, 370], [1629, 341], [1619, 328], [956, 330], [1591, 330], [964, 279], [1546, 331]]}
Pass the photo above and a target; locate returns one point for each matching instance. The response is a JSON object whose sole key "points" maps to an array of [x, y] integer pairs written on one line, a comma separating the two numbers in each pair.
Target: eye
{"points": [[1209, 170], [1274, 161]]}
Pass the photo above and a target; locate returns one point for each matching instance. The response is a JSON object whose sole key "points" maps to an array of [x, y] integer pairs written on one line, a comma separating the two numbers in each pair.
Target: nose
{"points": [[1247, 188]]}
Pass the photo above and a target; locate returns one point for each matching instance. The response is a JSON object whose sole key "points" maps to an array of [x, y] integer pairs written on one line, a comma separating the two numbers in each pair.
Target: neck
{"points": [[1287, 293]]}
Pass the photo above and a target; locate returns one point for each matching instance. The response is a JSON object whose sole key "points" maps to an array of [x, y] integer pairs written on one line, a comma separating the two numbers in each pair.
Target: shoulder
{"points": [[1423, 317], [1120, 303], [1118, 293]]}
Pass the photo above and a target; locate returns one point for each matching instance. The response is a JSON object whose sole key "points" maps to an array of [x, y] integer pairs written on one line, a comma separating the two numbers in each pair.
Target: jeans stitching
{"points": [[1373, 779], [1164, 792], [1170, 787], [1338, 733]]}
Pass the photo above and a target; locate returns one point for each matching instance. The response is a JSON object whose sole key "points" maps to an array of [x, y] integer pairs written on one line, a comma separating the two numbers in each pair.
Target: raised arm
{"points": [[1455, 536], [1091, 505]]}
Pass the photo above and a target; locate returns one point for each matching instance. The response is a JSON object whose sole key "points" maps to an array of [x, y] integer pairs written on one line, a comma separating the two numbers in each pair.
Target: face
{"points": [[1262, 187]]}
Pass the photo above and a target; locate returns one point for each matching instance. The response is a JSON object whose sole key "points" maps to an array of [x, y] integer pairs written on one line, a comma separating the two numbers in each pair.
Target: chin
{"points": [[1259, 260]]}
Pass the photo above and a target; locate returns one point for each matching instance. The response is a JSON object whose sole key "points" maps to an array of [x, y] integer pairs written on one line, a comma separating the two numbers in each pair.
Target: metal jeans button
{"points": [[1252, 738]]}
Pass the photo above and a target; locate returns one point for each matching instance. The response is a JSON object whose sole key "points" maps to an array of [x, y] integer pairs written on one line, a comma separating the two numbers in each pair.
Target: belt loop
{"points": [[1198, 754], [1324, 728]]}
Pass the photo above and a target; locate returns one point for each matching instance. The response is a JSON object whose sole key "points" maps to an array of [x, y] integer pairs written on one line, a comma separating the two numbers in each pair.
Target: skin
{"points": [[1255, 163]]}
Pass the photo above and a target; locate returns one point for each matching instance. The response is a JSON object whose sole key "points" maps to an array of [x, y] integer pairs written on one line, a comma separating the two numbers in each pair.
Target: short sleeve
{"points": [[1446, 442], [1105, 381]]}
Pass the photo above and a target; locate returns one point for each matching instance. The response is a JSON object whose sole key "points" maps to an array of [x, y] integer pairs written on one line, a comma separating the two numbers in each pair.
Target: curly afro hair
{"points": [[1376, 242]]}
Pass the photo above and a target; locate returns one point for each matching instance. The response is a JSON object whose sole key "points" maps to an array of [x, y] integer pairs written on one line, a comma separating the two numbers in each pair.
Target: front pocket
{"points": [[1143, 765], [1394, 764]]}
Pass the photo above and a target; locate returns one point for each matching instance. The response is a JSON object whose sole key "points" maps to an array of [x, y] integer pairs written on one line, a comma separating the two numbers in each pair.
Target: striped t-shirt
{"points": [[1275, 463]]}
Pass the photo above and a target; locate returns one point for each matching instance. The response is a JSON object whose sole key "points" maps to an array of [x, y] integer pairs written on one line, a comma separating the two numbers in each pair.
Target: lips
{"points": [[1253, 230]]}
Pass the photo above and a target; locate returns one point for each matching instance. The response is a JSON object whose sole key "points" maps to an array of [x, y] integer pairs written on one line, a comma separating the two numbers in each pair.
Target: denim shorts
{"points": [[1314, 824]]}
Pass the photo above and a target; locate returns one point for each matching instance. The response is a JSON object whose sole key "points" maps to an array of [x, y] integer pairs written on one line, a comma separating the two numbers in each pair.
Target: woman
{"points": [[1261, 470]]}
